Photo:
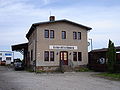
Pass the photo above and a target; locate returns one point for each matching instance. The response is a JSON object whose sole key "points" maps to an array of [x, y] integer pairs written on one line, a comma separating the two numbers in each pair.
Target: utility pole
{"points": [[91, 43]]}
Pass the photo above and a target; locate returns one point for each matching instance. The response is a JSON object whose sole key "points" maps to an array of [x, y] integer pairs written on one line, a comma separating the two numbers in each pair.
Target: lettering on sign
{"points": [[8, 54], [63, 47]]}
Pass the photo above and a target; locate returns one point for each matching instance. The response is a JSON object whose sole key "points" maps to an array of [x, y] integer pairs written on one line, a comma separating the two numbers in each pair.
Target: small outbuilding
{"points": [[6, 56], [98, 58]]}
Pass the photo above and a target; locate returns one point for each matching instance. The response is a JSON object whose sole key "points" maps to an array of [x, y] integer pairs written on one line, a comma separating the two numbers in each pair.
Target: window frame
{"points": [[79, 35], [74, 56], [31, 55], [46, 33], [74, 35], [79, 56], [46, 58], [0, 58], [63, 34], [8, 58], [52, 34], [52, 56]]}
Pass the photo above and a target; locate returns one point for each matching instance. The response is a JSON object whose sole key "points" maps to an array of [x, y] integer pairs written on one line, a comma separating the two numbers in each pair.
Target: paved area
{"points": [[22, 80]]}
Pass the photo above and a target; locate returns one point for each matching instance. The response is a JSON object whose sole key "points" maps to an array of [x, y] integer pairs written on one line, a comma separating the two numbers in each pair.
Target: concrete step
{"points": [[66, 68]]}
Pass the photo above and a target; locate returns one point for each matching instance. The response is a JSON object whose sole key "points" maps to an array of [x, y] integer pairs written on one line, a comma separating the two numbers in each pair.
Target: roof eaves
{"points": [[30, 30], [63, 20], [88, 28]]}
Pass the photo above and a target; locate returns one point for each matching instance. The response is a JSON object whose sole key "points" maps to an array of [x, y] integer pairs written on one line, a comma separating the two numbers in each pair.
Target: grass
{"points": [[83, 69], [115, 76], [40, 71], [29, 70]]}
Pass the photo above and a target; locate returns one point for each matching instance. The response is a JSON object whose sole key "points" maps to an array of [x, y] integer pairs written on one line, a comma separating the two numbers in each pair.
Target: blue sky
{"points": [[16, 17]]}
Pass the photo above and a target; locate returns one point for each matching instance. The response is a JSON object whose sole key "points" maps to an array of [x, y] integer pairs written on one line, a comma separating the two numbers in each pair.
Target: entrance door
{"points": [[64, 57]]}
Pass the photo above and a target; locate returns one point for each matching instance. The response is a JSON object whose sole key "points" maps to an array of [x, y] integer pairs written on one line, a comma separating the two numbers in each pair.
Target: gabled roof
{"points": [[48, 22]]}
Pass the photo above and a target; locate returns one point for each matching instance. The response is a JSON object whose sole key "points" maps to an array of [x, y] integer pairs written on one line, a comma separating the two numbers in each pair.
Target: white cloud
{"points": [[16, 16], [49, 1]]}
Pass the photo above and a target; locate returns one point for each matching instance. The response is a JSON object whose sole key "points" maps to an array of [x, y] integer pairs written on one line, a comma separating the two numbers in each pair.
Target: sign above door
{"points": [[63, 47]]}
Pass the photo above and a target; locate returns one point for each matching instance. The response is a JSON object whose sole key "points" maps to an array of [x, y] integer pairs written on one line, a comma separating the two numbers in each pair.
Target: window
{"points": [[74, 56], [51, 33], [63, 34], [31, 55], [51, 55], [65, 56], [74, 35], [0, 54], [8, 58], [79, 35], [46, 33], [0, 58], [46, 56], [79, 56]]}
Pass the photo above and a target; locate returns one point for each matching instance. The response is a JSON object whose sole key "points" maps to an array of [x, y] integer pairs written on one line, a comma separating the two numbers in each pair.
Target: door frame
{"points": [[62, 63]]}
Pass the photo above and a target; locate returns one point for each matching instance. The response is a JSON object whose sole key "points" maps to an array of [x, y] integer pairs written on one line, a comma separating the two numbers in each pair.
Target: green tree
{"points": [[111, 55]]}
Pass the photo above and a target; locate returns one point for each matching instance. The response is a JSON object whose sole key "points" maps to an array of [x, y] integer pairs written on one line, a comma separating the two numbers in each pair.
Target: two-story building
{"points": [[57, 43]]}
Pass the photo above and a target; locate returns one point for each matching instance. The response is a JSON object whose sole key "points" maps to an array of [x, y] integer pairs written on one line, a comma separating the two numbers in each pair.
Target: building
{"points": [[7, 56], [23, 49], [57, 43], [98, 59]]}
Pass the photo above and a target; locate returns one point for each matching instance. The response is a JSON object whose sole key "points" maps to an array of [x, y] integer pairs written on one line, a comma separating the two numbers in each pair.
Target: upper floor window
{"points": [[79, 35], [51, 33], [63, 34], [74, 35], [46, 33]]}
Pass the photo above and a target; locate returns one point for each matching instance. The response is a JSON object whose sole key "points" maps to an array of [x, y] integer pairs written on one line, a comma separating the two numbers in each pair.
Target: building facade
{"points": [[7, 56], [57, 43]]}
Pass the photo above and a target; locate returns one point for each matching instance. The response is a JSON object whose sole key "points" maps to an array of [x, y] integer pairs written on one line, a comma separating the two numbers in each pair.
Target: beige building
{"points": [[57, 43]]}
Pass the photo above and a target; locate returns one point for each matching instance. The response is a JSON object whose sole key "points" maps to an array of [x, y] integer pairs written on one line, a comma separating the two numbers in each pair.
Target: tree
{"points": [[111, 55]]}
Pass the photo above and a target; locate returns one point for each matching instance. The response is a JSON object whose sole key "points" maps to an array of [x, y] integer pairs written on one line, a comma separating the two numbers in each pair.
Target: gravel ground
{"points": [[22, 80]]}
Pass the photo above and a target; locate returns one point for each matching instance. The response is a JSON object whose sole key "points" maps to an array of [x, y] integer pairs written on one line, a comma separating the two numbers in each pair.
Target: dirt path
{"points": [[22, 80]]}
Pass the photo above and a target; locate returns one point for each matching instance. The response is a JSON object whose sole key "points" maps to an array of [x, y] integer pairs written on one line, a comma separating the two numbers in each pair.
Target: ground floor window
{"points": [[8, 58], [51, 55], [31, 55], [46, 56], [0, 58], [77, 56], [74, 56]]}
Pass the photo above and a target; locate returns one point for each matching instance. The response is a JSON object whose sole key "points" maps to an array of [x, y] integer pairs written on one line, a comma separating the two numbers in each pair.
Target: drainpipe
{"points": [[35, 49]]}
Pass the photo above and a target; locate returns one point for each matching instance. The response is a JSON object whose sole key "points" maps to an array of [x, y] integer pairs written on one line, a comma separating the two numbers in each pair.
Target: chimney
{"points": [[52, 18]]}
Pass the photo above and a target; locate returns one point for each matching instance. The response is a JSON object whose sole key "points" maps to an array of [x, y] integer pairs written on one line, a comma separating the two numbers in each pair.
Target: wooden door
{"points": [[64, 57]]}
